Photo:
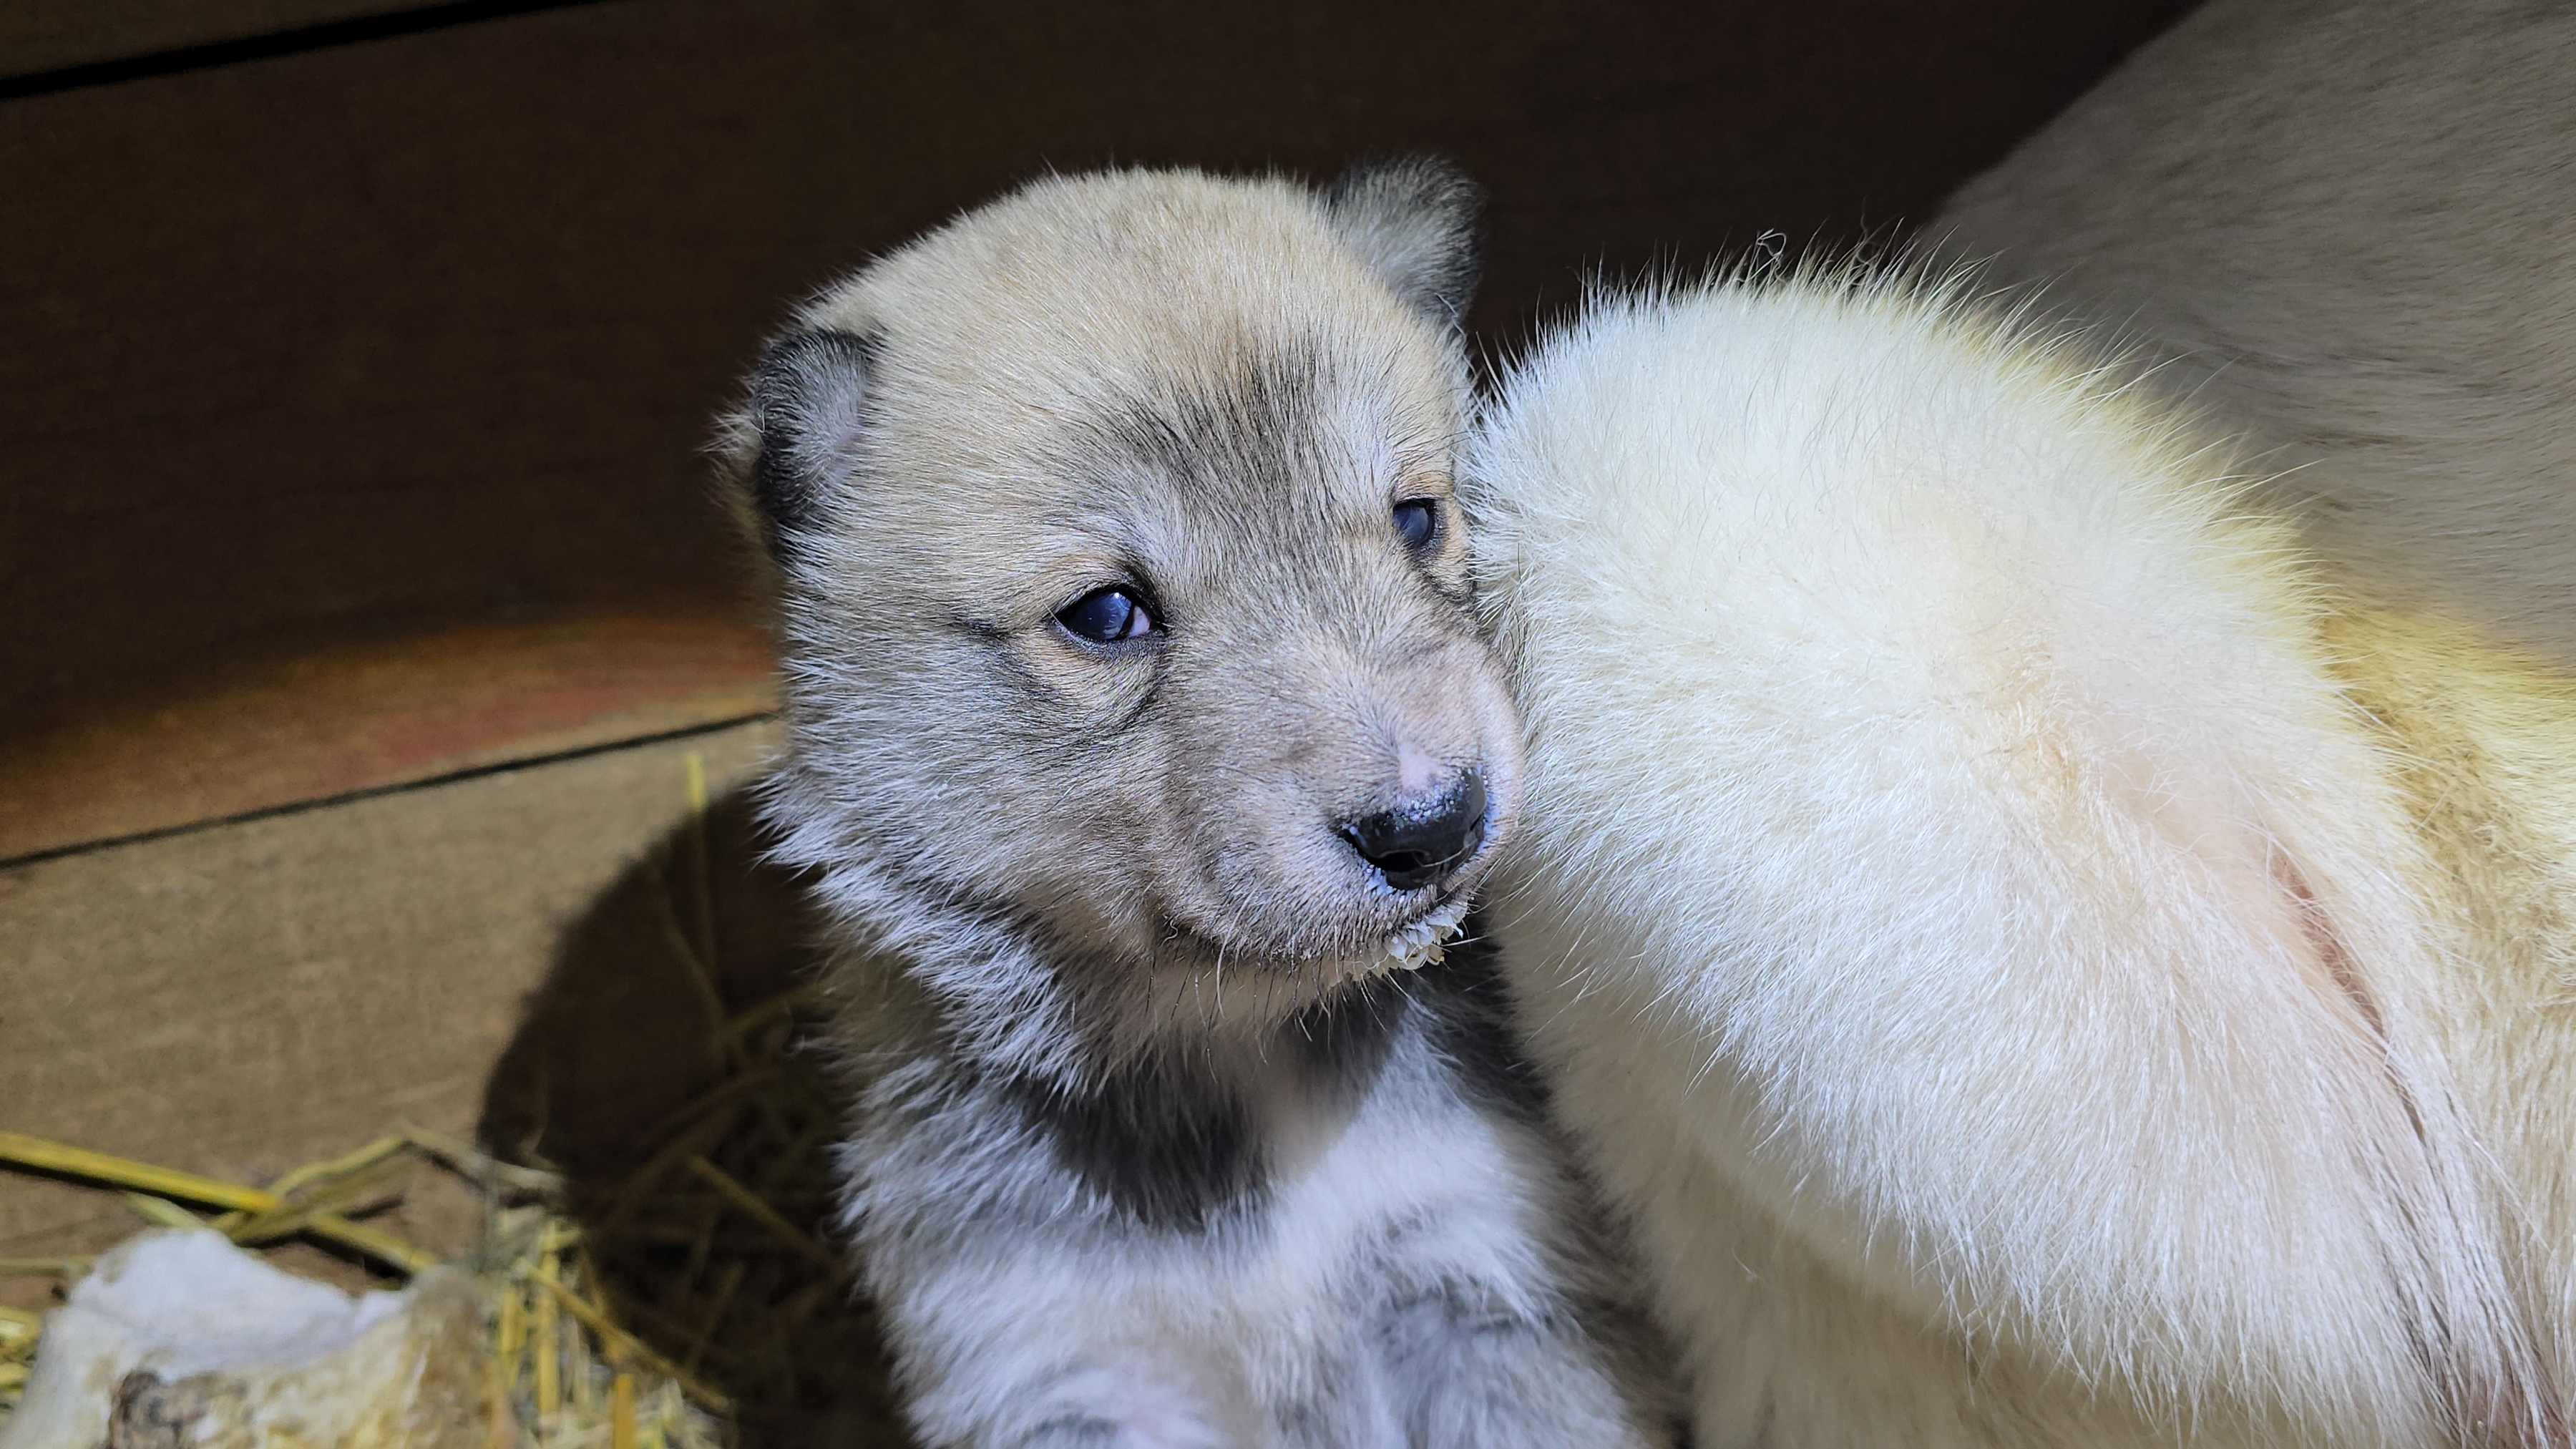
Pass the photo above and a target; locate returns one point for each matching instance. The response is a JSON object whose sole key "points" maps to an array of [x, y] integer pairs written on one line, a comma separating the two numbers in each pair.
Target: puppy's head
{"points": [[1125, 598]]}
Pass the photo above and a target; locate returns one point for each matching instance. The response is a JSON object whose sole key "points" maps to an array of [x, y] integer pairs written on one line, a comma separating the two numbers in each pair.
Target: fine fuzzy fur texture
{"points": [[2043, 963], [2346, 223], [1146, 748]]}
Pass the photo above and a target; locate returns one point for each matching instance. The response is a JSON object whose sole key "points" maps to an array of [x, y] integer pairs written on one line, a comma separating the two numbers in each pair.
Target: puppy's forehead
{"points": [[1140, 306]]}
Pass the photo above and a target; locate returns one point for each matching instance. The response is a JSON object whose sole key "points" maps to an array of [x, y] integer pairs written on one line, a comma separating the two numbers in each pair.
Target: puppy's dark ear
{"points": [[807, 398], [1414, 219]]}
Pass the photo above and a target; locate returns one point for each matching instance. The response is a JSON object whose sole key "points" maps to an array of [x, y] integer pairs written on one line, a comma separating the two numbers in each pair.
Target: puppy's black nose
{"points": [[1422, 840]]}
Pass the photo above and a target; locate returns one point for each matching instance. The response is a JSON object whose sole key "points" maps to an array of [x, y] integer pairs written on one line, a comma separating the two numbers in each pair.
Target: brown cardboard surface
{"points": [[238, 1000]]}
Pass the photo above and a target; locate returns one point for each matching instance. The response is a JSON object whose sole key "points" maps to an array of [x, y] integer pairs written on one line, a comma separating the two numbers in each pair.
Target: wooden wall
{"points": [[354, 365]]}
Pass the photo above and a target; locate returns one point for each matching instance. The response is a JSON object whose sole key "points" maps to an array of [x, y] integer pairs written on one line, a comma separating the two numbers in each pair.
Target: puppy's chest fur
{"points": [[1199, 1144], [1278, 1249]]}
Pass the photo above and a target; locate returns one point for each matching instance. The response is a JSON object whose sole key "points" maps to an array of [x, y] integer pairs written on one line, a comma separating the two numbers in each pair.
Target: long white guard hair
{"points": [[1978, 936]]}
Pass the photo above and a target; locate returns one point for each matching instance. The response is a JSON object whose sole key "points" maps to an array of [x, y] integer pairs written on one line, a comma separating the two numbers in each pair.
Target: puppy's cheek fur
{"points": [[1506, 762]]}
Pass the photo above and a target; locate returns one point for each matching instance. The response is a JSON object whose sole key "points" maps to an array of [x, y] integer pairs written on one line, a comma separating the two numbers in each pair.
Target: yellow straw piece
{"points": [[367, 1156], [549, 1389], [726, 1286], [760, 1212], [785, 1003], [20, 1318], [502, 1430], [621, 1412], [163, 1211], [320, 1194], [618, 1341], [697, 777], [376, 1243], [123, 1172], [144, 1179], [481, 1167]]}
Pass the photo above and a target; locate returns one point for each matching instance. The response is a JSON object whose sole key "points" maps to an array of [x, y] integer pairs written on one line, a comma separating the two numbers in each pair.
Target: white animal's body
{"points": [[2351, 224], [2044, 963]]}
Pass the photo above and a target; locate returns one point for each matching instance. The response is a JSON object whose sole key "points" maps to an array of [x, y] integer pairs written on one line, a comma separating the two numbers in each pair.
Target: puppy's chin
{"points": [[1206, 988]]}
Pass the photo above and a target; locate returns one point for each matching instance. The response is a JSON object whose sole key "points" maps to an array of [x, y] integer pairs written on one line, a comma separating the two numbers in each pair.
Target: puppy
{"points": [[1141, 726], [2044, 961]]}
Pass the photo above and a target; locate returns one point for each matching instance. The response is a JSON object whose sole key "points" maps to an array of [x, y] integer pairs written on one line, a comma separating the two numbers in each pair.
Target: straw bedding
{"points": [[675, 1290]]}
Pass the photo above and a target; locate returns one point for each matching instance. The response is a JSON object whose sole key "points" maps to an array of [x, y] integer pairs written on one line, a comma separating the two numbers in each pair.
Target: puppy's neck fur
{"points": [[1186, 1129]]}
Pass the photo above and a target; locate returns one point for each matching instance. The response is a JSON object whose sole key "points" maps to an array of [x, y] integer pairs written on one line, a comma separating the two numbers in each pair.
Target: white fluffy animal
{"points": [[2348, 224], [2046, 963]]}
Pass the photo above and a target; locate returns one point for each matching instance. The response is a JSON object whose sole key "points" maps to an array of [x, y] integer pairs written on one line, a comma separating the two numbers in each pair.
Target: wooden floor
{"points": [[241, 1000], [365, 594]]}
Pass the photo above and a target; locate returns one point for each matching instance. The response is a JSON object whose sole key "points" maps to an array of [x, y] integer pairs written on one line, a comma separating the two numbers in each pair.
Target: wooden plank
{"points": [[48, 35], [363, 716], [419, 339]]}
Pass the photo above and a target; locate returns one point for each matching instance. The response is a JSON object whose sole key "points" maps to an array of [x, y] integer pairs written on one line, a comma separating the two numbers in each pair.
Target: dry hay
{"points": [[687, 1301], [575, 1352]]}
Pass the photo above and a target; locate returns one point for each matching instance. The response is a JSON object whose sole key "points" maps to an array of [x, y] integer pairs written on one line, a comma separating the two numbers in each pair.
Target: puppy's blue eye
{"points": [[1417, 520], [1106, 615]]}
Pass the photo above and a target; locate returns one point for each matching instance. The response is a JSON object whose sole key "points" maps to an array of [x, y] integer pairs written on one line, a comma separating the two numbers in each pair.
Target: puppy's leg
{"points": [[1478, 1376], [1335, 1399], [1020, 1313], [1122, 1402], [982, 1379]]}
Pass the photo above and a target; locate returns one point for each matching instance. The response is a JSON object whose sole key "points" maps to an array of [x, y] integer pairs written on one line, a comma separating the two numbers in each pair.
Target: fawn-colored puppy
{"points": [[1146, 749]]}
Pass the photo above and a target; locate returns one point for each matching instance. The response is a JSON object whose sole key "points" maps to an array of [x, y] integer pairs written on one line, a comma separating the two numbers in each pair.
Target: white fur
{"points": [[2348, 223], [1960, 907]]}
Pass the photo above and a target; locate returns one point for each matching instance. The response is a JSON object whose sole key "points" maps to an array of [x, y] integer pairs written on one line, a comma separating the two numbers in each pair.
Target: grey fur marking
{"points": [[1169, 1139], [806, 400], [1414, 218]]}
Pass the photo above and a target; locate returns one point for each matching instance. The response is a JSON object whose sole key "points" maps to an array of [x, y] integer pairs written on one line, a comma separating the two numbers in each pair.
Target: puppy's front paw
{"points": [[1137, 1401]]}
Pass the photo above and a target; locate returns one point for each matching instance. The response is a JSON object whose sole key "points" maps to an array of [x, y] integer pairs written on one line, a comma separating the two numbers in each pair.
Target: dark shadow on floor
{"points": [[666, 1069]]}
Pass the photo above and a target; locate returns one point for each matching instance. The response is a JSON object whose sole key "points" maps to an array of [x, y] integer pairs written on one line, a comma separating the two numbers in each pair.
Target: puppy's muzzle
{"points": [[1426, 839]]}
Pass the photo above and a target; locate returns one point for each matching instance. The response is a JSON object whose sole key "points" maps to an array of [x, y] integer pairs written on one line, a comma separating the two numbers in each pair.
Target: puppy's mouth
{"points": [[1417, 942], [1423, 942], [1411, 927]]}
